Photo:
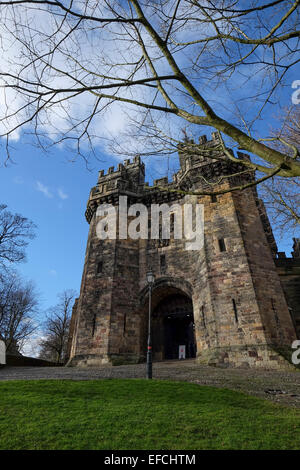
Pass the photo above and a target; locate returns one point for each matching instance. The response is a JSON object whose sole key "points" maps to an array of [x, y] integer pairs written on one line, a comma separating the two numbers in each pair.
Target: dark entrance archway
{"points": [[173, 326]]}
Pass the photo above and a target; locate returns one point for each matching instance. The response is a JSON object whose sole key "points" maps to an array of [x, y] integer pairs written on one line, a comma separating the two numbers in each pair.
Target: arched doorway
{"points": [[172, 318], [173, 326]]}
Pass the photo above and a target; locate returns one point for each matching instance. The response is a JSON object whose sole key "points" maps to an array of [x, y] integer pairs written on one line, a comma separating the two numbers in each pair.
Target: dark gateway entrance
{"points": [[173, 326]]}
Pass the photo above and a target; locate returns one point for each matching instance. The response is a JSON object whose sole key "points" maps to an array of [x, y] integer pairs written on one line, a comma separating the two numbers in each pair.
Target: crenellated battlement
{"points": [[202, 165], [206, 161], [126, 168], [127, 176], [202, 140], [161, 182], [201, 152]]}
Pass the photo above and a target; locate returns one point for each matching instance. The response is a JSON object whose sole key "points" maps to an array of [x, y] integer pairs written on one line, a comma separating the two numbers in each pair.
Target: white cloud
{"points": [[62, 194], [32, 347], [54, 118], [43, 189], [18, 180]]}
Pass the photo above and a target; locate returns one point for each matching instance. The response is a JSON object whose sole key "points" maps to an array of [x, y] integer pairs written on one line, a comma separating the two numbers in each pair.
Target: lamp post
{"points": [[150, 280]]}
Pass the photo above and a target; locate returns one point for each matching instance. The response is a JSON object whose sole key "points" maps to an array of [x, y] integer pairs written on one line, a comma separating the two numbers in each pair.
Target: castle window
{"points": [[94, 325], [99, 267], [163, 263], [172, 221], [275, 312], [222, 245], [214, 198], [203, 316], [235, 311], [124, 324]]}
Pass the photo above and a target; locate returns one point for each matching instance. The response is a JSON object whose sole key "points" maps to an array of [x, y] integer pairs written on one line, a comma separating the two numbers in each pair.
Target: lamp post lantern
{"points": [[150, 280]]}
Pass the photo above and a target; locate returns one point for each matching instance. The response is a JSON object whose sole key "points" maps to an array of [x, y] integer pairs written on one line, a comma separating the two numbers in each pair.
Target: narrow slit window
{"points": [[99, 267], [214, 198], [203, 316], [235, 311], [160, 229], [172, 222], [275, 312], [163, 262], [94, 325], [124, 324], [222, 245]]}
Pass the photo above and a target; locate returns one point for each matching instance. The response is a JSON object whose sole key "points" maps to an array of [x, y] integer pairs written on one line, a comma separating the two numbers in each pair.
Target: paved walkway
{"points": [[280, 387]]}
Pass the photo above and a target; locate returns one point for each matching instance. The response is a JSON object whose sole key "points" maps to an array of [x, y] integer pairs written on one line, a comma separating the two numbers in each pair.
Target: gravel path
{"points": [[277, 386]]}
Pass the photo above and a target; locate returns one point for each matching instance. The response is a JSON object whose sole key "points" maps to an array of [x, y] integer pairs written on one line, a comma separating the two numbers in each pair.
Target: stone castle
{"points": [[234, 302]]}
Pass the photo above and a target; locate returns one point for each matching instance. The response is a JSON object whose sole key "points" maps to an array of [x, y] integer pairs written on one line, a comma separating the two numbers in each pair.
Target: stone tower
{"points": [[224, 302]]}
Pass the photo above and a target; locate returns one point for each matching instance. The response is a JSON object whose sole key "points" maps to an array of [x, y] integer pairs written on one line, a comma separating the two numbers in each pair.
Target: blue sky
{"points": [[52, 192]]}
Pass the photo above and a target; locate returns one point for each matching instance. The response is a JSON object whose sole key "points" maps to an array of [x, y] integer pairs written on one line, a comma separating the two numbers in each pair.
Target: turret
{"points": [[191, 153], [127, 178], [205, 163]]}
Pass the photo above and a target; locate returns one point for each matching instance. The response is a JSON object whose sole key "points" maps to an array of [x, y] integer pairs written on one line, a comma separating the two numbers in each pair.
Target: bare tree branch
{"points": [[161, 57], [56, 329]]}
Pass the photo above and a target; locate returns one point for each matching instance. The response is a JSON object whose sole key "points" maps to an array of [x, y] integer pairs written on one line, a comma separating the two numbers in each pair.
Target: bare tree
{"points": [[18, 311], [15, 230], [290, 128], [56, 329], [169, 63], [281, 196]]}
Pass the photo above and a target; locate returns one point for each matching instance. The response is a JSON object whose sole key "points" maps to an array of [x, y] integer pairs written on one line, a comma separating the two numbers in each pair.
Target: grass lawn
{"points": [[139, 414]]}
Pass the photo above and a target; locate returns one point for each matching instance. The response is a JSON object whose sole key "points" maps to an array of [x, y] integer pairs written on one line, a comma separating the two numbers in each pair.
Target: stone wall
{"points": [[289, 275], [240, 312], [24, 361]]}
